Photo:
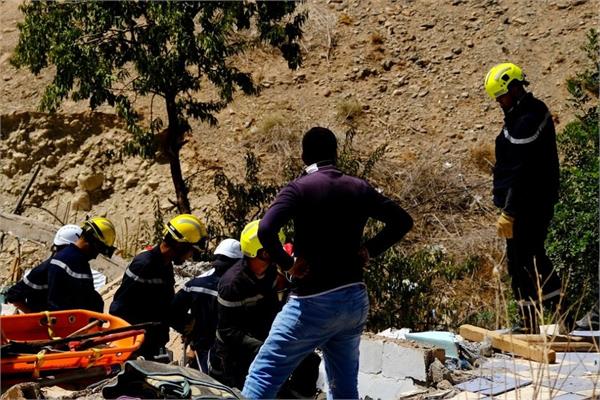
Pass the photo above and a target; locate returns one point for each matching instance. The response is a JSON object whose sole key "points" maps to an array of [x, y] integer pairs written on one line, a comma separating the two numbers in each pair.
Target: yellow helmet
{"points": [[497, 80], [186, 228], [101, 233], [249, 239]]}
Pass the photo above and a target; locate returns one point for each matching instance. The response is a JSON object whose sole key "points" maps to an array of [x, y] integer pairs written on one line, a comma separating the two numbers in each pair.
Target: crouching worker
{"points": [[147, 288], [70, 280], [247, 305], [194, 308], [30, 294]]}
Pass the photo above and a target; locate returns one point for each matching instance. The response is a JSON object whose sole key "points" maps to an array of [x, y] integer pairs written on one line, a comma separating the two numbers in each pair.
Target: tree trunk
{"points": [[172, 147]]}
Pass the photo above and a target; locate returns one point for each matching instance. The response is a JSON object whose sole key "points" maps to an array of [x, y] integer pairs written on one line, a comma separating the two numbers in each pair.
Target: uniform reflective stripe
{"points": [[198, 289], [248, 301], [154, 281], [33, 285], [532, 137], [69, 271]]}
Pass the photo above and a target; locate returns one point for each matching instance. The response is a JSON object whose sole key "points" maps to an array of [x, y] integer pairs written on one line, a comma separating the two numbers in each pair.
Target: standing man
{"points": [[526, 181], [70, 280], [30, 294], [328, 307], [194, 308], [147, 289]]}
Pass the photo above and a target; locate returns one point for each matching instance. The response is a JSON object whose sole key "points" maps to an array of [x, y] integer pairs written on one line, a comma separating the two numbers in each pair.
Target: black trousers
{"points": [[533, 276]]}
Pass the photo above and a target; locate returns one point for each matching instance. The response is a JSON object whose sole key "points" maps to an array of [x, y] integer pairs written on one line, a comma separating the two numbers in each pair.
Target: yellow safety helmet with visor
{"points": [[101, 234], [249, 241], [187, 228], [500, 76]]}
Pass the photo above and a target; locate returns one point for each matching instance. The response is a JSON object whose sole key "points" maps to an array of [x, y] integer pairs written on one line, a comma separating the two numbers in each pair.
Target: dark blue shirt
{"points": [[145, 295], [329, 210], [32, 290], [70, 282], [526, 173]]}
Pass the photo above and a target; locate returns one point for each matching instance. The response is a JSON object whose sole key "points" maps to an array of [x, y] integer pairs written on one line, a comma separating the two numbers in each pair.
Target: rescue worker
{"points": [[70, 279], [194, 308], [147, 288], [328, 307], [247, 305], [525, 189], [30, 294]]}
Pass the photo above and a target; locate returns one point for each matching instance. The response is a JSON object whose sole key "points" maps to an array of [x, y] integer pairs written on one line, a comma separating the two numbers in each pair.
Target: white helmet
{"points": [[229, 248], [67, 234]]}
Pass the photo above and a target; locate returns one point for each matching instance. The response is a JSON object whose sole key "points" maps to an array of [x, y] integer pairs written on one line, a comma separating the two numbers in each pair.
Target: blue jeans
{"points": [[333, 322]]}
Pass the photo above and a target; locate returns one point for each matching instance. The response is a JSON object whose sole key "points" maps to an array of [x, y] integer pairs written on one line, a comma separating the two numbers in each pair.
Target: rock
{"points": [[90, 182], [382, 88], [423, 93], [448, 56], [397, 92], [131, 181], [427, 25], [438, 372], [81, 201], [153, 184], [464, 95], [387, 64], [457, 50], [326, 93], [469, 43], [444, 385]]}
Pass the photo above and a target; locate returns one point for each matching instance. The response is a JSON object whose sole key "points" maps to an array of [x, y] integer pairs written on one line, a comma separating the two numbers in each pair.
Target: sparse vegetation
{"points": [[574, 237], [348, 110]]}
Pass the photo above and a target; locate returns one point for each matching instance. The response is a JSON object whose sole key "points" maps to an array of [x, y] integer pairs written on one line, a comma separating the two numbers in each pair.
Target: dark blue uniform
{"points": [[526, 182], [246, 308], [70, 282], [145, 295], [32, 290], [196, 304]]}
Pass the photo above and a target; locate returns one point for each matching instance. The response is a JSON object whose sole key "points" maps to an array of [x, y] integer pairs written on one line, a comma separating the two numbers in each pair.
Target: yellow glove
{"points": [[505, 226]]}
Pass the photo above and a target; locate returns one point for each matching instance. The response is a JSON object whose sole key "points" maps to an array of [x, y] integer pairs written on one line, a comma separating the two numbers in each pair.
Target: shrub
{"points": [[407, 290], [573, 237], [240, 202]]}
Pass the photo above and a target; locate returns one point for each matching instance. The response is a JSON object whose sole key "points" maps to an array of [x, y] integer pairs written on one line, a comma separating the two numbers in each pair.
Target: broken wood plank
{"points": [[573, 346], [509, 344], [548, 339]]}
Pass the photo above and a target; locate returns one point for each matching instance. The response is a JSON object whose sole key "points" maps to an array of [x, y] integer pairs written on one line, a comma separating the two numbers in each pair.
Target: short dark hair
{"points": [[319, 144]]}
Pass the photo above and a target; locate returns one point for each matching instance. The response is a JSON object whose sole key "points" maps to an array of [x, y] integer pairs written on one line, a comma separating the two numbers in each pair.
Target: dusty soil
{"points": [[415, 68]]}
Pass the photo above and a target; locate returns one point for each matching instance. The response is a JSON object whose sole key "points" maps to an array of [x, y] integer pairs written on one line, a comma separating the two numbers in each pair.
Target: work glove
{"points": [[505, 226]]}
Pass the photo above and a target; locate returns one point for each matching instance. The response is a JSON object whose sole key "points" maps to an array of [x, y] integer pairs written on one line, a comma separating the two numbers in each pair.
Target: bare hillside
{"points": [[411, 73]]}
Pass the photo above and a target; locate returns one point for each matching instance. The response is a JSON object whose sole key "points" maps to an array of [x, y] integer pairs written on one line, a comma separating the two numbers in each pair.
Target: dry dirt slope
{"points": [[415, 68]]}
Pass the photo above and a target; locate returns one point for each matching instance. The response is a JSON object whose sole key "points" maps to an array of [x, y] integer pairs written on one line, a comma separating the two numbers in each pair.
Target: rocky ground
{"points": [[409, 72]]}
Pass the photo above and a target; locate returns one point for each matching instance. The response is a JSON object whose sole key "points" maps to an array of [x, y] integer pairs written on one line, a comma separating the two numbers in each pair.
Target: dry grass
{"points": [[277, 134], [345, 19], [482, 156], [348, 109], [377, 38]]}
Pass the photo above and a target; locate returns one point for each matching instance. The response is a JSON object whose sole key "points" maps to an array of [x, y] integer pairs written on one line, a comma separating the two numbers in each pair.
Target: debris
{"points": [[508, 343], [444, 340]]}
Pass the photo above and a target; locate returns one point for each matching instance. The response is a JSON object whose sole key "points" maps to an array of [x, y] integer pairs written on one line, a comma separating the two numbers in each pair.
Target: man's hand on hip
{"points": [[505, 226]]}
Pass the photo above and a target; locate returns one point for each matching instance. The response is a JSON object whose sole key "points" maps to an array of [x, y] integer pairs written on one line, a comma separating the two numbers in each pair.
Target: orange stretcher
{"points": [[48, 326]]}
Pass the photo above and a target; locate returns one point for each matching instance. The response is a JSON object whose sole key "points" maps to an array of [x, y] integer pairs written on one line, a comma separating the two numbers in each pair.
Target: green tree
{"points": [[110, 52], [573, 237]]}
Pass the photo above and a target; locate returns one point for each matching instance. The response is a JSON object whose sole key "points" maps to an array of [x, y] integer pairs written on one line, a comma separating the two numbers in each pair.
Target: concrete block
{"points": [[401, 361], [371, 355], [379, 387]]}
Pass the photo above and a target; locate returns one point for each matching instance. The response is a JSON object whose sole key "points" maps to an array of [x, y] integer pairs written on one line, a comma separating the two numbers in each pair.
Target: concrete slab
{"points": [[380, 387], [371, 355], [400, 361]]}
